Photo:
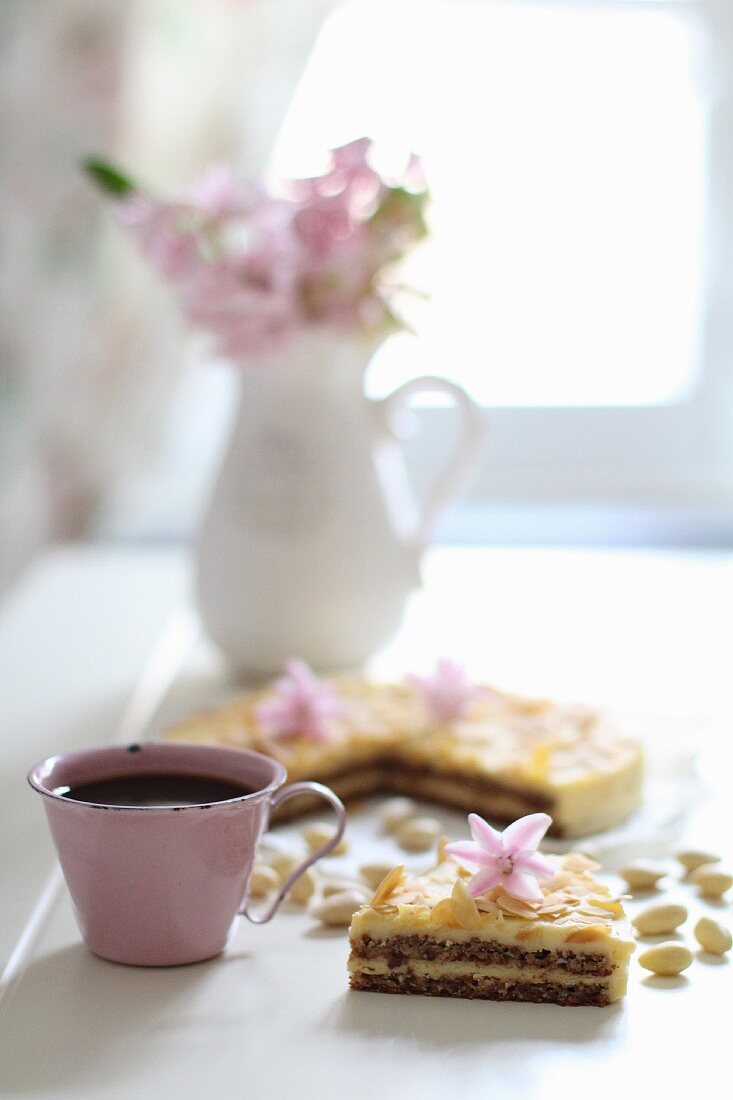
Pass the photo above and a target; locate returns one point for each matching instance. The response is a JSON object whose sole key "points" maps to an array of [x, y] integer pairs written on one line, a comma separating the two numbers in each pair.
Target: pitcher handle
{"points": [[283, 796], [460, 466]]}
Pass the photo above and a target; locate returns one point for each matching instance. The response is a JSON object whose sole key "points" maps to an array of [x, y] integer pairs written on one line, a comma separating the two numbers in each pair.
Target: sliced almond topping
{"points": [[552, 914], [388, 884], [576, 861], [585, 935], [412, 911], [441, 848], [593, 916], [527, 933], [615, 908], [410, 897], [464, 907], [559, 881], [485, 905], [516, 908], [444, 913]]}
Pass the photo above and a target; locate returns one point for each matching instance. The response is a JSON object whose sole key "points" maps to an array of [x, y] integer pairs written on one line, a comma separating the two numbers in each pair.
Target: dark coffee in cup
{"points": [[155, 789]]}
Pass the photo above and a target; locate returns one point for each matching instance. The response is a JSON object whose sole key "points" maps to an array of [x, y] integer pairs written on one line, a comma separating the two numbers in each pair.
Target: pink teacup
{"points": [[160, 886]]}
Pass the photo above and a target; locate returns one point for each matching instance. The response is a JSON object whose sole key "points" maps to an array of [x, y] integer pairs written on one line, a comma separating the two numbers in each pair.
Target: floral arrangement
{"points": [[255, 266]]}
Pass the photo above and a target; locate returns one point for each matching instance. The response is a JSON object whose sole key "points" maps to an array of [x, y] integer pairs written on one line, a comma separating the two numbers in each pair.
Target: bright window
{"points": [[564, 146]]}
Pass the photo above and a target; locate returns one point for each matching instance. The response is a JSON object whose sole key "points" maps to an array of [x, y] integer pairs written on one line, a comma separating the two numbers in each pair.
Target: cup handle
{"points": [[283, 796], [461, 464]]}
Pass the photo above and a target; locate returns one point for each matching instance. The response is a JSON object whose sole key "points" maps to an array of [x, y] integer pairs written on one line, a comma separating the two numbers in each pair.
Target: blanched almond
{"points": [[418, 834], [303, 888], [658, 919], [713, 937], [667, 959], [374, 873], [319, 833], [394, 811], [262, 880], [693, 857], [284, 863], [712, 881], [338, 885], [641, 874], [338, 909]]}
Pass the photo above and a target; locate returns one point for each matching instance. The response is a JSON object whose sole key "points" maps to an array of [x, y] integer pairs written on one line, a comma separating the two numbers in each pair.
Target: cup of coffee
{"points": [[157, 842]]}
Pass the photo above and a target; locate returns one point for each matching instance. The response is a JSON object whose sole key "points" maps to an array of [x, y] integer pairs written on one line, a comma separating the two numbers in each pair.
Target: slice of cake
{"points": [[442, 738], [567, 944]]}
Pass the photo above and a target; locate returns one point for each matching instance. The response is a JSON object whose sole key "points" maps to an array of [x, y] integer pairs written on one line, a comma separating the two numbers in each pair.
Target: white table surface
{"points": [[95, 645]]}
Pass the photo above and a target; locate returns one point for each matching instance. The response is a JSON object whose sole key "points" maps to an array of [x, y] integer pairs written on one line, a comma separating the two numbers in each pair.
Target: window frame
{"points": [[676, 456]]}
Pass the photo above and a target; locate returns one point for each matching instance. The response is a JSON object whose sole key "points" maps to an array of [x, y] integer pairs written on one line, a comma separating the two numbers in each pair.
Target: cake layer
{"points": [[485, 989], [464, 971], [399, 949]]}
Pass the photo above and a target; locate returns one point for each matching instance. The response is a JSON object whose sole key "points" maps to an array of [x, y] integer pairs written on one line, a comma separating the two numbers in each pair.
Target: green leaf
{"points": [[108, 178]]}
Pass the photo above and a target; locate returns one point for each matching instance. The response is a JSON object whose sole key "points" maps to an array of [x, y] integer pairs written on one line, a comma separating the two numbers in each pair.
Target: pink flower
{"points": [[303, 706], [216, 194], [322, 225], [415, 174], [247, 317], [447, 691], [273, 257], [352, 157], [509, 859], [348, 174], [350, 165], [254, 267], [165, 233]]}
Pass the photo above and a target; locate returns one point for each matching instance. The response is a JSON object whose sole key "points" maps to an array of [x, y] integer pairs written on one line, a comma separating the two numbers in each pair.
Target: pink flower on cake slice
{"points": [[302, 706], [447, 691], [509, 859]]}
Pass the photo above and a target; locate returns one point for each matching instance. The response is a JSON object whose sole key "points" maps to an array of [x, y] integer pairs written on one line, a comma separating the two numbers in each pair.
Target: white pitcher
{"points": [[313, 540]]}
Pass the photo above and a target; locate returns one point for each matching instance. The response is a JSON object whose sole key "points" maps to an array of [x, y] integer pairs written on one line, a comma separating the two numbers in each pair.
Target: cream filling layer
{"points": [[430, 970], [614, 984], [617, 944]]}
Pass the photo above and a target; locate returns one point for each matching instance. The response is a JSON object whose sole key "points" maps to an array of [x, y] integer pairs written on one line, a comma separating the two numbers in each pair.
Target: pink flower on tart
{"points": [[446, 691], [303, 705], [509, 859]]}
